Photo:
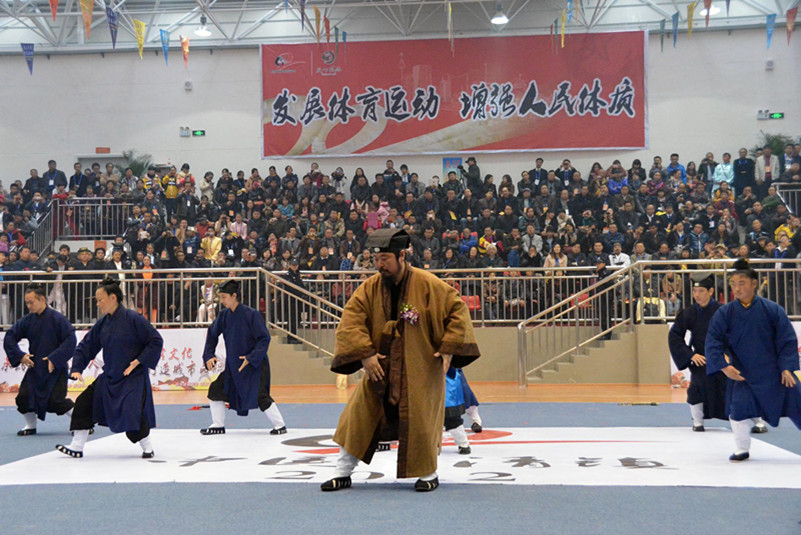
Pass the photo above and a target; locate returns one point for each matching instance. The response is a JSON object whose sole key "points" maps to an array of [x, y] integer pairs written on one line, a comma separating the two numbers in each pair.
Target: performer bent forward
{"points": [[121, 397]]}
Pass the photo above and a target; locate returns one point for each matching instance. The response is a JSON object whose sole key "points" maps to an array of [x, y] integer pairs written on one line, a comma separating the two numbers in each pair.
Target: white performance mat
{"points": [[650, 456]]}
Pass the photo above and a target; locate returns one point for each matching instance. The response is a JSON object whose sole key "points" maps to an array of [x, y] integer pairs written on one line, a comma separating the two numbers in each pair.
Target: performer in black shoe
{"points": [[51, 343], [245, 382], [707, 393], [121, 397]]}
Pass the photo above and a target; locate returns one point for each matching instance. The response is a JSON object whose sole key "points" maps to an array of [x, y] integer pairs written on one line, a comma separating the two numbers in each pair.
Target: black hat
{"points": [[742, 267], [294, 262], [387, 240], [708, 283], [230, 287], [84, 250]]}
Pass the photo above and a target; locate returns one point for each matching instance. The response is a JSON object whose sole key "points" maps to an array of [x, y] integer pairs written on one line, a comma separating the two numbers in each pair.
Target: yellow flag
{"points": [[690, 14], [139, 29], [562, 22], [317, 23], [87, 6]]}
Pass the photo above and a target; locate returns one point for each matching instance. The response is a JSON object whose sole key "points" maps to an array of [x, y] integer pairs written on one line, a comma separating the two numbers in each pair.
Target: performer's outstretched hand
{"points": [[244, 363], [27, 360], [211, 363], [77, 376], [733, 373], [373, 368], [50, 366], [788, 379], [131, 367]]}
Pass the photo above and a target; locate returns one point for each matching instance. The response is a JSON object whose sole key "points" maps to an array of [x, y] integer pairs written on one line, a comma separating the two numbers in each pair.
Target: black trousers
{"points": [[217, 388], [58, 402], [82, 416]]}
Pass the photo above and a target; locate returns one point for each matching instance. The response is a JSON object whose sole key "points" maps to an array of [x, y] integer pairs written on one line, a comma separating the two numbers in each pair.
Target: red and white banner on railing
{"points": [[491, 94]]}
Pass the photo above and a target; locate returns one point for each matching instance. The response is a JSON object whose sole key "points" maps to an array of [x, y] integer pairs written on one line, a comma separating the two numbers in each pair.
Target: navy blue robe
{"points": [[245, 334], [49, 335], [707, 389], [120, 401], [761, 343]]}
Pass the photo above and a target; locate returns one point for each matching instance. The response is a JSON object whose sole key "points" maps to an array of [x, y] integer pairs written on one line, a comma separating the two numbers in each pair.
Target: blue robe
{"points": [[707, 389], [245, 334], [761, 343], [50, 335], [119, 400], [454, 394]]}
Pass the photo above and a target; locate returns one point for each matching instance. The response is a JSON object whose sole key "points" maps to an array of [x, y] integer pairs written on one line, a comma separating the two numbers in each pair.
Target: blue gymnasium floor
{"points": [[154, 508]]}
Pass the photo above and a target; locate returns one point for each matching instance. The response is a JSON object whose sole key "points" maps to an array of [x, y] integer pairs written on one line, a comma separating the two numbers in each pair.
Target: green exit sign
{"points": [[777, 115], [200, 133]]}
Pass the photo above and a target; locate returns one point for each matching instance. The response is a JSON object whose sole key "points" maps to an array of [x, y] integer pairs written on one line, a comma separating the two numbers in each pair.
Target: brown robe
{"points": [[414, 379]]}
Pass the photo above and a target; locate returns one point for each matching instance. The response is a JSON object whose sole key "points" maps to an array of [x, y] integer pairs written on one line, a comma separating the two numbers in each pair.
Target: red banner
{"points": [[492, 94]]}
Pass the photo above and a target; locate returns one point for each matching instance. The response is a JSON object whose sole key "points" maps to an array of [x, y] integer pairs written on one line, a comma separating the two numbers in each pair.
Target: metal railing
{"points": [[90, 218], [645, 292], [566, 327], [494, 296], [41, 240], [791, 195]]}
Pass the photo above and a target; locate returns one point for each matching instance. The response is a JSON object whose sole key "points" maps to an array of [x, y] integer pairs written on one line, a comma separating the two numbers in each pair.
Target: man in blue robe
{"points": [[121, 397], [759, 338], [707, 393], [245, 382], [51, 343]]}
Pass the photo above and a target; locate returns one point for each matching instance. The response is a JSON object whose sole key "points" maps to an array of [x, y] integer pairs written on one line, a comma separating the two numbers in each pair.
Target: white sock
{"points": [[460, 436], [146, 445], [79, 439], [429, 477], [346, 464], [30, 420], [742, 434], [217, 413], [472, 412], [697, 412], [274, 415]]}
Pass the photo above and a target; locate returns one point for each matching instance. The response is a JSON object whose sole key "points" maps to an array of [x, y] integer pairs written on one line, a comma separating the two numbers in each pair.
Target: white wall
{"points": [[702, 96]]}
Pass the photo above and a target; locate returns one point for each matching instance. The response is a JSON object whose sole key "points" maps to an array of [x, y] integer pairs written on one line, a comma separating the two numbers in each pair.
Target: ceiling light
{"points": [[714, 10], [500, 17], [203, 30]]}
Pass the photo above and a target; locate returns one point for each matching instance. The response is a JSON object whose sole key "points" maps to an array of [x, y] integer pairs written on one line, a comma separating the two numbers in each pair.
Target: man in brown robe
{"points": [[405, 327]]}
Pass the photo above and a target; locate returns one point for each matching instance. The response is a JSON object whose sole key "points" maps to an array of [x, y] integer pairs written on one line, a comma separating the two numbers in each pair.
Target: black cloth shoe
{"points": [[426, 486], [72, 453], [739, 457], [757, 429], [698, 428], [476, 427], [213, 431], [337, 483], [148, 454], [465, 451], [26, 432], [280, 431], [384, 446]]}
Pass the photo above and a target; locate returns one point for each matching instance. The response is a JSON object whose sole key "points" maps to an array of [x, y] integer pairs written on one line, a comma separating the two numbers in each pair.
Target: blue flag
{"points": [[27, 49], [569, 10], [111, 15], [165, 44], [771, 23], [675, 27]]}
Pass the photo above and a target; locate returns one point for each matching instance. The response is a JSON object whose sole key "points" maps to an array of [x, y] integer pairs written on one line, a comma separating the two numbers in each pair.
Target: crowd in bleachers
{"points": [[469, 220]]}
